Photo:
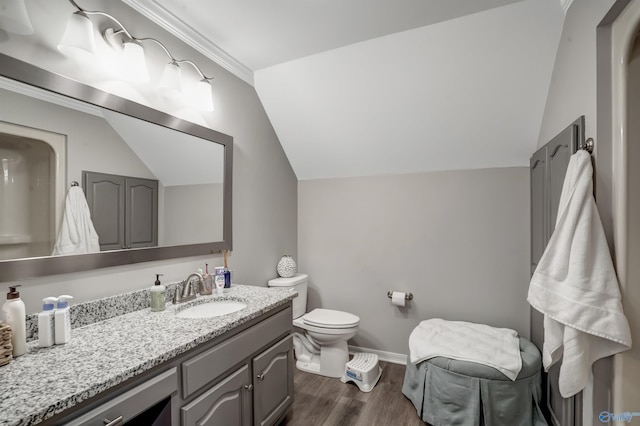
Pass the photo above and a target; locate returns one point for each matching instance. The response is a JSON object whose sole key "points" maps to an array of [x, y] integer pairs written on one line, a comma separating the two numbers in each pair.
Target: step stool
{"points": [[363, 370]]}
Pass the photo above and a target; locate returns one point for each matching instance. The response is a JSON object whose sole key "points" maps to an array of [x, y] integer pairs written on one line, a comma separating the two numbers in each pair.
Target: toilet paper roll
{"points": [[398, 298]]}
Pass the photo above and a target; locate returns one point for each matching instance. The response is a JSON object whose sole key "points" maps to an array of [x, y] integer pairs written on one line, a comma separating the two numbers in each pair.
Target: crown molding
{"points": [[181, 30]]}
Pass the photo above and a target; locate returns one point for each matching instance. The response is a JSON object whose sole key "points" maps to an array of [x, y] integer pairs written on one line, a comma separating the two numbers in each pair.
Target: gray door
{"points": [[548, 167]]}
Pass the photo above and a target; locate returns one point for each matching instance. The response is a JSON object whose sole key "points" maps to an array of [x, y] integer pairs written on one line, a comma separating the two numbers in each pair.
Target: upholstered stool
{"points": [[448, 392]]}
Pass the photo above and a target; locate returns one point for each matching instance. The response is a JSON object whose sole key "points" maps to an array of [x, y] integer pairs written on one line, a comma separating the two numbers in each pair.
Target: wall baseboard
{"points": [[391, 357]]}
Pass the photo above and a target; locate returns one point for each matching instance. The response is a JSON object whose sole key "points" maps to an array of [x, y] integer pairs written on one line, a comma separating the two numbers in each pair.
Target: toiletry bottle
{"points": [[227, 273], [158, 295], [227, 278], [62, 320], [208, 280], [46, 323], [219, 279], [14, 316]]}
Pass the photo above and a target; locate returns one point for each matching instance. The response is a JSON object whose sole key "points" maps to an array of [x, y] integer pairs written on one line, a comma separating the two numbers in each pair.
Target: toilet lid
{"points": [[329, 318]]}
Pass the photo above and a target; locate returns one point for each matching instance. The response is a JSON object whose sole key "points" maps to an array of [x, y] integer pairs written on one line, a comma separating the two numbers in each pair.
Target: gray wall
{"points": [[458, 240], [264, 187]]}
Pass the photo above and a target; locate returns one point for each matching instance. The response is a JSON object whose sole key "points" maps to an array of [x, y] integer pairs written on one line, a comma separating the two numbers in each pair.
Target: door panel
{"points": [[548, 167], [106, 199], [142, 213]]}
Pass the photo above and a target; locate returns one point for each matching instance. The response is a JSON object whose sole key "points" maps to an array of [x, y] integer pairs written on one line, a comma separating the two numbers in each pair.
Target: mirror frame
{"points": [[25, 268]]}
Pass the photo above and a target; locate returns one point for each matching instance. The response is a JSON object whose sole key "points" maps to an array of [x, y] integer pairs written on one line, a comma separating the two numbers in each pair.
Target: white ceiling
{"points": [[368, 87]]}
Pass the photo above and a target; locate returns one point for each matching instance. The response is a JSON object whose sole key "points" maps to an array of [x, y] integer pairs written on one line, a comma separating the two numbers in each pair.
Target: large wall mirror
{"points": [[55, 132]]}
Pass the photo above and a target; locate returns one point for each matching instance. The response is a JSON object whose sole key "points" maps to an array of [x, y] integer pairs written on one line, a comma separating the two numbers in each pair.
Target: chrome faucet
{"points": [[190, 288]]}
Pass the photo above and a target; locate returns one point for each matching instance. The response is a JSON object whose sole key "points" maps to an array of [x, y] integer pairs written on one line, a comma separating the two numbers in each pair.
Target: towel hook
{"points": [[588, 145], [74, 183]]}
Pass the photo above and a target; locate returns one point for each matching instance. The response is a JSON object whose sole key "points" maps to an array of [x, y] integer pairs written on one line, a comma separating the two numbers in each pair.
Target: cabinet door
{"points": [[273, 382], [106, 199], [141, 218], [228, 403], [548, 168]]}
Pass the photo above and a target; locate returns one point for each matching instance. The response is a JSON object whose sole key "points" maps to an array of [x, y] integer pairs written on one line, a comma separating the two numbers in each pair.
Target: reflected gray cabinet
{"points": [[548, 167], [124, 210]]}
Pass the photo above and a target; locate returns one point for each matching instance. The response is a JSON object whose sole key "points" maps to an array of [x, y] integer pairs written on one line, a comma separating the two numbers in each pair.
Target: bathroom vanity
{"points": [[146, 367]]}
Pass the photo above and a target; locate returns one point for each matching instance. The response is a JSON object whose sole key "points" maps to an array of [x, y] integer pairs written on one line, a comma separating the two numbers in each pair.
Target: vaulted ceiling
{"points": [[369, 87]]}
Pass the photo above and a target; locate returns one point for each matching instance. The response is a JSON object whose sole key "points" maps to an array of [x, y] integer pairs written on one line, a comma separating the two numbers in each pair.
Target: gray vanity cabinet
{"points": [[231, 402], [231, 389], [124, 210], [242, 378], [273, 389]]}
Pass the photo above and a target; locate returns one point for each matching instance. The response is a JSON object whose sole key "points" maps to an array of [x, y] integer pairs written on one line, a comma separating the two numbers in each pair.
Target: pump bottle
{"points": [[14, 315], [46, 323], [158, 295], [63, 320]]}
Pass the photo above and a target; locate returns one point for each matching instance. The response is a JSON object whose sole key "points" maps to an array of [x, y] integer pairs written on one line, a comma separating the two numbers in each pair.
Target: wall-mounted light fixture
{"points": [[78, 35]]}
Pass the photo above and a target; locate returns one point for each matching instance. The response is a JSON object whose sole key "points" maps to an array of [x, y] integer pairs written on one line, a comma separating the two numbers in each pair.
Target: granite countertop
{"points": [[47, 381]]}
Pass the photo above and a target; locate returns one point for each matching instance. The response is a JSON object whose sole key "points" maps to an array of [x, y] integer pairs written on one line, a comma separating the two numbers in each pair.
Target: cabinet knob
{"points": [[249, 387], [260, 376], [113, 422]]}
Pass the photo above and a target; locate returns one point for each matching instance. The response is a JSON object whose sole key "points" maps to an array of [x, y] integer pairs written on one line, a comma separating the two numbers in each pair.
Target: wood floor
{"points": [[323, 401]]}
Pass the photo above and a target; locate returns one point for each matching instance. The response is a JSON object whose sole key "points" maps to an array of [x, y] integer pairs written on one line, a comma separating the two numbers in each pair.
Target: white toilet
{"points": [[323, 347]]}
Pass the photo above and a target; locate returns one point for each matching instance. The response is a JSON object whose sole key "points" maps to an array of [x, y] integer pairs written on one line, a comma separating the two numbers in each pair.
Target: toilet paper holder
{"points": [[407, 296]]}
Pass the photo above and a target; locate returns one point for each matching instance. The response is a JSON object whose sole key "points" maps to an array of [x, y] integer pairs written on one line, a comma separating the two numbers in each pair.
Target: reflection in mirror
{"points": [[189, 171], [48, 141]]}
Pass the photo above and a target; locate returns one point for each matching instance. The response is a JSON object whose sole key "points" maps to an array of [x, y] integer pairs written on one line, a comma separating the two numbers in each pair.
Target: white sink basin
{"points": [[215, 308]]}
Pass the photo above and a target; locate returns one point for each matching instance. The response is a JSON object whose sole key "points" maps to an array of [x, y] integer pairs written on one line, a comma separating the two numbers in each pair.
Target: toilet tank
{"points": [[298, 282]]}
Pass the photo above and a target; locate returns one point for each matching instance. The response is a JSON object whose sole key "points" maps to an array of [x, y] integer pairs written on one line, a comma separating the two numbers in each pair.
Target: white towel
{"points": [[575, 285], [77, 234], [466, 341]]}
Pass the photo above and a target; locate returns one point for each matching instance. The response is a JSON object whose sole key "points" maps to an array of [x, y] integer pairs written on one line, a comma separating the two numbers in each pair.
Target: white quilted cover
{"points": [[466, 341]]}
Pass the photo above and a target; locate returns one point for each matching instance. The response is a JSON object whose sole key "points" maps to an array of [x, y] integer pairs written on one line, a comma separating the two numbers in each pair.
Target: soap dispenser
{"points": [[158, 295], [63, 320], [46, 323], [14, 315]]}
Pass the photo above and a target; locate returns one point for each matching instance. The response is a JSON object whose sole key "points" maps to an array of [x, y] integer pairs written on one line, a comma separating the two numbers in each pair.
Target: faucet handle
{"points": [[194, 282]]}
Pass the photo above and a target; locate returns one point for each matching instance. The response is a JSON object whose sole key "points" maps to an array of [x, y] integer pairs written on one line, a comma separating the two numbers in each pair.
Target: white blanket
{"points": [[575, 285], [466, 341], [77, 234]]}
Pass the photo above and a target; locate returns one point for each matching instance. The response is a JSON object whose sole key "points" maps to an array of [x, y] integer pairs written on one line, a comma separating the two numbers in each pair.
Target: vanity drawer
{"points": [[211, 364], [128, 405]]}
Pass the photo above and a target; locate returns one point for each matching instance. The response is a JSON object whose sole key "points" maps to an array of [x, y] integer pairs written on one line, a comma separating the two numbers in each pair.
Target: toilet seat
{"points": [[331, 319]]}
